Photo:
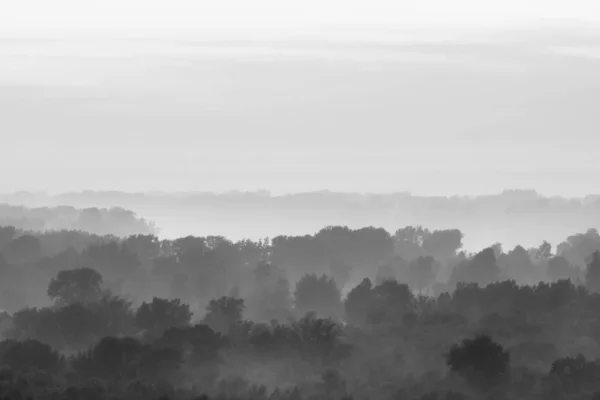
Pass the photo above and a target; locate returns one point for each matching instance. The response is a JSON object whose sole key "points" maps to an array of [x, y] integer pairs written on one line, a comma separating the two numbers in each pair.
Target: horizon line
{"points": [[274, 194]]}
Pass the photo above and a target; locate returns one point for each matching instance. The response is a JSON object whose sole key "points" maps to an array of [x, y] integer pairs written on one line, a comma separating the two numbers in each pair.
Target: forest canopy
{"points": [[340, 313]]}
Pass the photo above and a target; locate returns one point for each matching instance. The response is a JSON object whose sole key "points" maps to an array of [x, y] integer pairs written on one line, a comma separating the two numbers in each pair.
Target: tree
{"points": [[29, 355], [409, 242], [372, 246], [114, 316], [481, 269], [158, 365], [161, 314], [358, 302], [390, 302], [544, 252], [577, 248], [498, 249], [24, 249], [111, 357], [519, 266], [576, 373], [319, 337], [111, 258], [146, 247], [318, 294], [224, 313], [443, 244], [560, 269], [253, 252], [592, 273], [199, 343], [81, 285], [78, 325], [273, 301], [481, 361], [65, 260], [304, 253]]}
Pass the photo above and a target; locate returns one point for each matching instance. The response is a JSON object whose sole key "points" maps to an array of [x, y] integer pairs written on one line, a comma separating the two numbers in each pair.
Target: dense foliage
{"points": [[342, 313]]}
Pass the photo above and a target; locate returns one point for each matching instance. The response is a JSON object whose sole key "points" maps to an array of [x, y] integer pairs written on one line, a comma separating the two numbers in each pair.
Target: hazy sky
{"points": [[134, 14], [424, 110]]}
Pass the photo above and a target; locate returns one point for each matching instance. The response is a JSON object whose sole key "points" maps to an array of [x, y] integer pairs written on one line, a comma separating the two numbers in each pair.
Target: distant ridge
{"points": [[511, 217], [100, 221]]}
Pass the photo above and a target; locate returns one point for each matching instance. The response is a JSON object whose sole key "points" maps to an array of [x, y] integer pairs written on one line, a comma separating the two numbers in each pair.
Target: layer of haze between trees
{"points": [[514, 217]]}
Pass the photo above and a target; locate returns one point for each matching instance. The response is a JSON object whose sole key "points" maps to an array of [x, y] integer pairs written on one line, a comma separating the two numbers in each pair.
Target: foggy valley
{"points": [[96, 304], [283, 200]]}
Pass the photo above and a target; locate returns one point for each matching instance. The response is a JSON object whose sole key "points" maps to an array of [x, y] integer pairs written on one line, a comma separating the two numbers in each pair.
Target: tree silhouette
{"points": [[110, 357], [320, 337], [390, 302], [78, 325], [145, 247], [23, 249], [409, 242], [199, 344], [443, 245], [358, 302], [519, 266], [544, 251], [224, 313], [481, 269], [82, 285], [161, 314], [30, 355], [318, 294], [576, 373], [480, 361], [559, 269], [111, 258], [578, 248], [114, 316]]}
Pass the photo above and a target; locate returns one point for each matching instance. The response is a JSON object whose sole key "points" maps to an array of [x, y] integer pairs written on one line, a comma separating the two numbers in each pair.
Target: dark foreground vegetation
{"points": [[359, 314]]}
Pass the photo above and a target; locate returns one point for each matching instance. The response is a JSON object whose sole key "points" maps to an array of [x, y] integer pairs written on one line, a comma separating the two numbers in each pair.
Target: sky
{"points": [[433, 97], [150, 14]]}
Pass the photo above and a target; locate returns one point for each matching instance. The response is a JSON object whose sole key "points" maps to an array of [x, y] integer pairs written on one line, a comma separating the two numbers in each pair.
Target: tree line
{"points": [[342, 313]]}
